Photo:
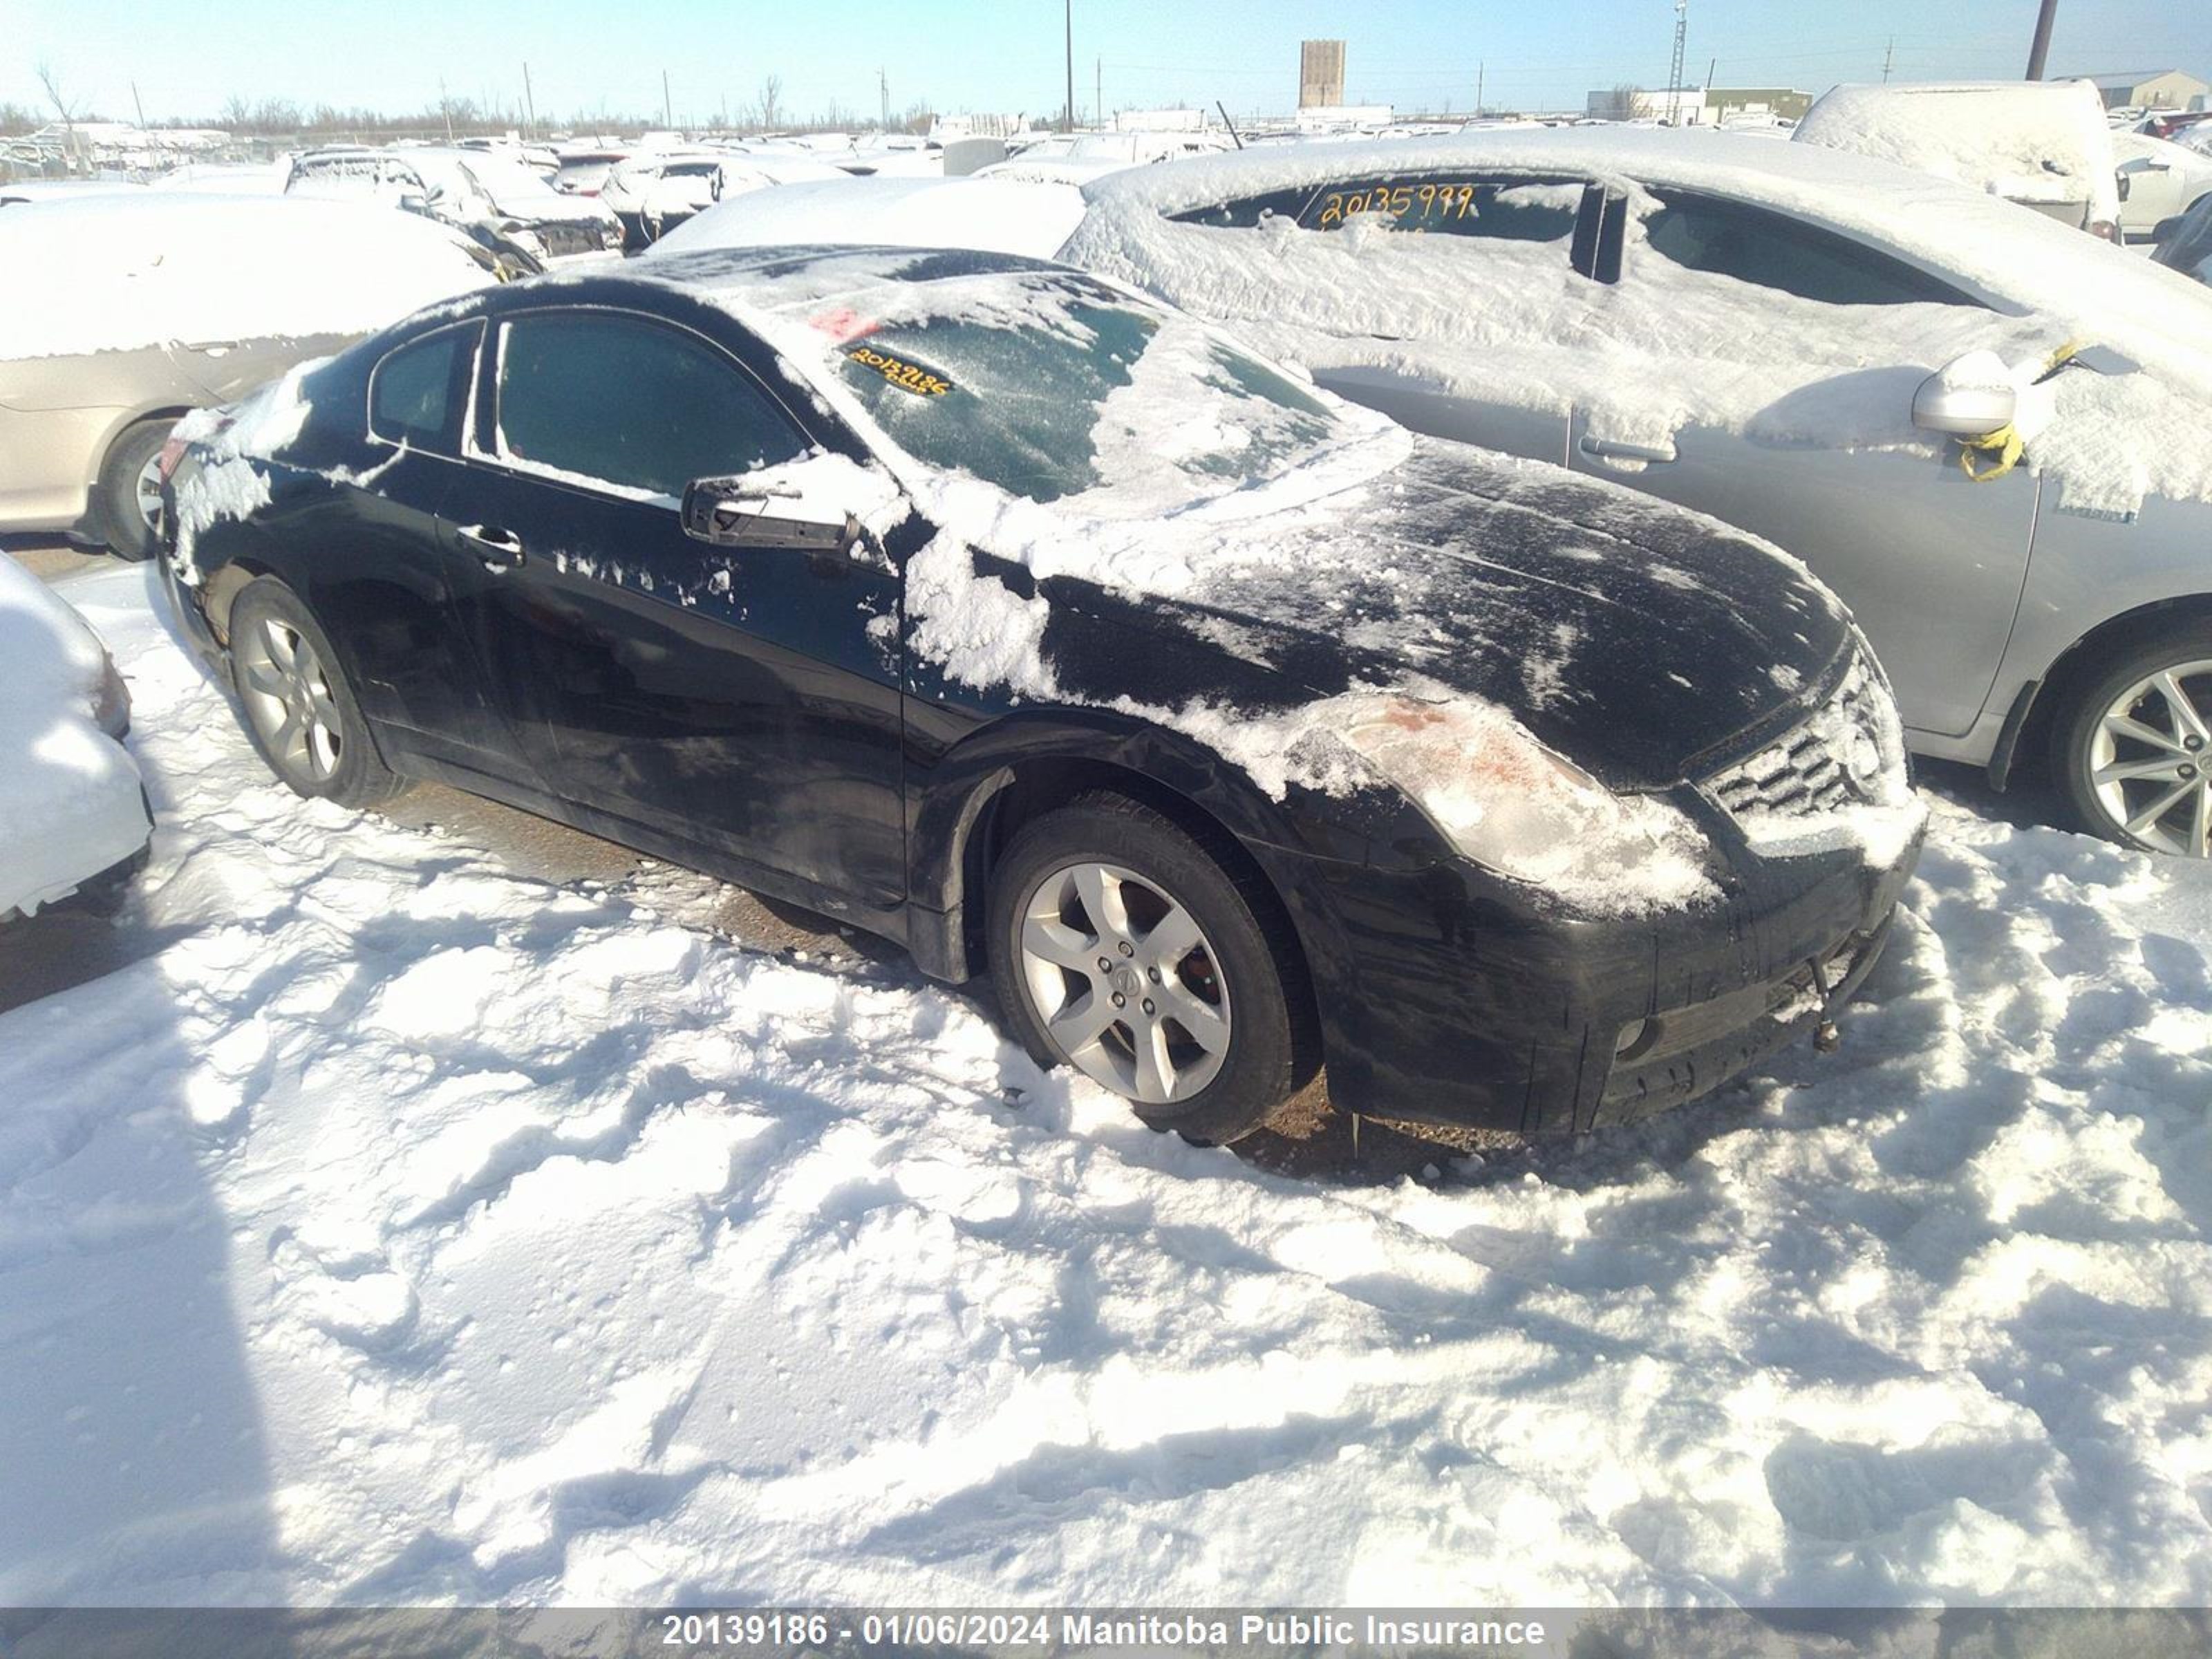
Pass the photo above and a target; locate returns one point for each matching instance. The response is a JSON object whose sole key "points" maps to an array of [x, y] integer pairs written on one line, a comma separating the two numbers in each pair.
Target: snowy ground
{"points": [[400, 1228]]}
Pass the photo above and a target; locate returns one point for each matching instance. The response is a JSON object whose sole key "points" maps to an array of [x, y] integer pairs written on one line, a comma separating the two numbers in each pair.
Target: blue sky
{"points": [[962, 54]]}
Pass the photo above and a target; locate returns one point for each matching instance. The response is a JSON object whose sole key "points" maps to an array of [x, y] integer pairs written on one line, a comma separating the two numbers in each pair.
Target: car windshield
{"points": [[1056, 387]]}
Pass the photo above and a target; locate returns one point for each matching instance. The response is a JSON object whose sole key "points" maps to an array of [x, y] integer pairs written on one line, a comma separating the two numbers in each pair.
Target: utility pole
{"points": [[529, 104], [1098, 92], [1067, 21], [1888, 56], [883, 93], [139, 107], [2041, 47], [1479, 67], [667, 110], [446, 108]]}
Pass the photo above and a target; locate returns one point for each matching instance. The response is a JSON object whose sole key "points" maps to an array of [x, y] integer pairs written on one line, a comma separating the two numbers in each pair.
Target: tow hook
{"points": [[1826, 1039]]}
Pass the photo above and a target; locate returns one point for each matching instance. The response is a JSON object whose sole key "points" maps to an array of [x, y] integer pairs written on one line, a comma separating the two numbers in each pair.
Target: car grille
{"points": [[1849, 753]]}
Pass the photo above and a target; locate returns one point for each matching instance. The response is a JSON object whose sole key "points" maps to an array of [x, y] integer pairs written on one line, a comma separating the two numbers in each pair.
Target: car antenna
{"points": [[1226, 122]]}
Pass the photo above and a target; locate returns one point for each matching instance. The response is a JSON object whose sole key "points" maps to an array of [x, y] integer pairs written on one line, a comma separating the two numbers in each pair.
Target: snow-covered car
{"points": [[73, 813], [1079, 160], [2044, 144], [1009, 614], [510, 208], [998, 215], [687, 187], [671, 175], [126, 310], [2159, 182], [582, 172], [1840, 354]]}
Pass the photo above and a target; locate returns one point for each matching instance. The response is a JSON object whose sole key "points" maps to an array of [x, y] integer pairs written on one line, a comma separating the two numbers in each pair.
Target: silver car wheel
{"points": [[288, 697], [2150, 761], [147, 491], [1125, 982]]}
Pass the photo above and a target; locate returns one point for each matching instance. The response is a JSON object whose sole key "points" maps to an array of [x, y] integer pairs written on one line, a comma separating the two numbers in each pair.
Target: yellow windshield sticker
{"points": [[906, 376], [1413, 206]]}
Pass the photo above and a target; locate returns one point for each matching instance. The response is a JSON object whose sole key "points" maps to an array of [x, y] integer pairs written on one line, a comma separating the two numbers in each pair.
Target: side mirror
{"points": [[734, 513], [1963, 411]]}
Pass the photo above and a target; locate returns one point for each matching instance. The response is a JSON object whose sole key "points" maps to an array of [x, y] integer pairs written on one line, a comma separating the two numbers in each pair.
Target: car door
{"points": [[370, 558], [1457, 239], [1931, 563], [732, 697]]}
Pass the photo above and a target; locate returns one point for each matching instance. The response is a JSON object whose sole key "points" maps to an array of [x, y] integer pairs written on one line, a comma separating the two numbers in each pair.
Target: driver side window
{"points": [[632, 405]]}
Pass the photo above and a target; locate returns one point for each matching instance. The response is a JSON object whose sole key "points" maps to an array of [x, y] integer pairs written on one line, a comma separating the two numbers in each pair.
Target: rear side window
{"points": [[1772, 250], [1509, 210], [632, 404], [416, 393]]}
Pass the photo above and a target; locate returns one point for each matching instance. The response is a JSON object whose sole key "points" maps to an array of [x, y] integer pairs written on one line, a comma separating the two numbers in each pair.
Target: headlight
{"points": [[1512, 805], [110, 706]]}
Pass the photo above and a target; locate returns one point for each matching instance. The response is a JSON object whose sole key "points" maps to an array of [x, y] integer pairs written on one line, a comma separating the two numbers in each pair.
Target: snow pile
{"points": [[2027, 141], [400, 1230], [69, 800], [114, 272], [1510, 323]]}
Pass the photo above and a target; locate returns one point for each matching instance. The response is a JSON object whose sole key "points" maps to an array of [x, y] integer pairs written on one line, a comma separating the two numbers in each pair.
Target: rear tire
{"points": [[1203, 1039], [122, 499], [2133, 748], [299, 711]]}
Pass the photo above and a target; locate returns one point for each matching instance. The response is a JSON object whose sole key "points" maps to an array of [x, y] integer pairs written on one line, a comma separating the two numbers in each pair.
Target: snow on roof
{"points": [[997, 215], [111, 273], [2029, 141]]}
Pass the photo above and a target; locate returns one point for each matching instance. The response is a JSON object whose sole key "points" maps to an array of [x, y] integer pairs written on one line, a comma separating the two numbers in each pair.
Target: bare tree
{"points": [[52, 84], [1623, 103], [771, 100]]}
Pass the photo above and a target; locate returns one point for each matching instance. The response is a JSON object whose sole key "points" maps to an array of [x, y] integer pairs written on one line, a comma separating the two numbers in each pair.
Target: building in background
{"points": [[1726, 104], [2152, 89], [1320, 74], [1698, 107]]}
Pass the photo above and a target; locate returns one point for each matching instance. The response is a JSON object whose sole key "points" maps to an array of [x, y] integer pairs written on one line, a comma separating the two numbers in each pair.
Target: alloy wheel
{"points": [[146, 491], [2150, 760], [288, 697], [1125, 982]]}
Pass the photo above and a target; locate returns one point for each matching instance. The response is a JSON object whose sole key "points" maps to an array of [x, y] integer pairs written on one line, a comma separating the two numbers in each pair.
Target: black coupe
{"points": [[989, 606]]}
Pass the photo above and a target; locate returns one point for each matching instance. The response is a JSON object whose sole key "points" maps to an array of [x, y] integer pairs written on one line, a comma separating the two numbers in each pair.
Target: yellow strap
{"points": [[2004, 443]]}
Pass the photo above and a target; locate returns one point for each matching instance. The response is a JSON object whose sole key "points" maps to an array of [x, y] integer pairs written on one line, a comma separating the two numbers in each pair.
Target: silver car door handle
{"points": [[497, 548], [1606, 449]]}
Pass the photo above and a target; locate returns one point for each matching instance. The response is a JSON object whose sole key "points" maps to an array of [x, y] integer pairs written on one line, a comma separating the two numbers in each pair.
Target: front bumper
{"points": [[1446, 996]]}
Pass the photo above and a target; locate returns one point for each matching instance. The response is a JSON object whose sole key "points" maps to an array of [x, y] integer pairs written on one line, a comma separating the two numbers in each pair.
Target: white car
{"points": [[506, 206], [2159, 182], [2045, 144], [73, 812]]}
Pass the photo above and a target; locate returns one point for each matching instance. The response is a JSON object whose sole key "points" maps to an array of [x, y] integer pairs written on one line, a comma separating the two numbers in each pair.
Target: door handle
{"points": [[496, 549], [1608, 449]]}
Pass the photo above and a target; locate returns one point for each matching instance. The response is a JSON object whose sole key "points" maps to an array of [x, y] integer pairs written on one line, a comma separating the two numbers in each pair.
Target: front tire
{"points": [[299, 712], [2133, 748], [128, 495], [1119, 946]]}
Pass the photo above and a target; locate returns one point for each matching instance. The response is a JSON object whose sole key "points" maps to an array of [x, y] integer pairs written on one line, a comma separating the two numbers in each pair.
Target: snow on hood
{"points": [[1671, 347], [1001, 215], [69, 794], [2033, 142], [115, 273]]}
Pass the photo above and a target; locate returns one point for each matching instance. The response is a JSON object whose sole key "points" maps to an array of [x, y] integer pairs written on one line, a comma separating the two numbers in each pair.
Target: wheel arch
{"points": [[2078, 665]]}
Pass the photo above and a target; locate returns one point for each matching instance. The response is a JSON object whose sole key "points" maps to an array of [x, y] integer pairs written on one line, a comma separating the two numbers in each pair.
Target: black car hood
{"points": [[1629, 635]]}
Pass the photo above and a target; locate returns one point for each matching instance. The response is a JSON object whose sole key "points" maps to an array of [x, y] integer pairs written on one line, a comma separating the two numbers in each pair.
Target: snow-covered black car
{"points": [[988, 606]]}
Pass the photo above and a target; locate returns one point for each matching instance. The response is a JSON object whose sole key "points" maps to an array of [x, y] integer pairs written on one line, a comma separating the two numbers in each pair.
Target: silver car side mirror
{"points": [[1963, 411]]}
